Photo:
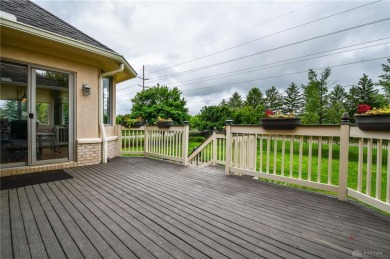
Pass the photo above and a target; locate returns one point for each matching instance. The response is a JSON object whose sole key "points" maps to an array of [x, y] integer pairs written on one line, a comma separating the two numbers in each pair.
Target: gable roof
{"points": [[32, 14]]}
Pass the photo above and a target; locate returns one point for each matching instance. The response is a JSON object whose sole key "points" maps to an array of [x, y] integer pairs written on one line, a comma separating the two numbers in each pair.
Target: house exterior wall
{"points": [[87, 142]]}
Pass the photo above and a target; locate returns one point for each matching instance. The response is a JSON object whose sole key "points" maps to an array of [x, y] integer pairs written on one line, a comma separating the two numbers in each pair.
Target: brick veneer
{"points": [[87, 154]]}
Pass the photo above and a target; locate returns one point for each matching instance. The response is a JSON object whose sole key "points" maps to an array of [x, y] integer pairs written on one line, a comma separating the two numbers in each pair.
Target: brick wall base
{"points": [[87, 154]]}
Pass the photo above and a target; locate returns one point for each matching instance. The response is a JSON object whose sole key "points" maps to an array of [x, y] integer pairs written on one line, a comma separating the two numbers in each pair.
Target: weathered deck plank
{"points": [[19, 239], [145, 208], [34, 239], [5, 241]]}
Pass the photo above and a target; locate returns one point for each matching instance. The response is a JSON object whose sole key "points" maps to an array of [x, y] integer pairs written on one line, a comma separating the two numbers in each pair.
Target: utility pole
{"points": [[143, 79]]}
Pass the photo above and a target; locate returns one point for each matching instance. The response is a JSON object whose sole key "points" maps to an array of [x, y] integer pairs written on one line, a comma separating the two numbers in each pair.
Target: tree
{"points": [[292, 101], [254, 98], [337, 104], [385, 80], [366, 91], [315, 97], [160, 101], [273, 99], [211, 117], [235, 101], [248, 115]]}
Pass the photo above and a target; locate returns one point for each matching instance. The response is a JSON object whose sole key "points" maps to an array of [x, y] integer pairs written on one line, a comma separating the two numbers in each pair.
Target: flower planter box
{"points": [[280, 123], [164, 124], [373, 122], [138, 124]]}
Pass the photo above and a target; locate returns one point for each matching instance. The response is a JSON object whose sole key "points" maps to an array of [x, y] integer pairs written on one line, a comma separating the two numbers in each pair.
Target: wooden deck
{"points": [[144, 208]]}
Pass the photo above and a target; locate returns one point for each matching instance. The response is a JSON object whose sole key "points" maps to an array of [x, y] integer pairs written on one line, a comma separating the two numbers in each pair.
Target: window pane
{"points": [[107, 103], [13, 114]]}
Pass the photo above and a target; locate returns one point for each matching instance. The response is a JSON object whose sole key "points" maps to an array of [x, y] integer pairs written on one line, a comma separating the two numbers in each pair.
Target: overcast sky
{"points": [[174, 37]]}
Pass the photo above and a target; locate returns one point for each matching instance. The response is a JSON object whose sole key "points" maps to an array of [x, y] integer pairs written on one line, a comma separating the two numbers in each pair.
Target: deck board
{"points": [[146, 208], [5, 241], [19, 239]]}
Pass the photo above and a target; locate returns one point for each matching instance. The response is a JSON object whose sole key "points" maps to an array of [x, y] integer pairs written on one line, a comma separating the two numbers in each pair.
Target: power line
{"points": [[250, 27], [272, 34], [277, 48], [289, 74], [276, 76], [280, 62], [267, 66]]}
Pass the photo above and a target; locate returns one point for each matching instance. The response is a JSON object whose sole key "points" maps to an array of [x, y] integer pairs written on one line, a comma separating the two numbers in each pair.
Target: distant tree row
{"points": [[312, 102]]}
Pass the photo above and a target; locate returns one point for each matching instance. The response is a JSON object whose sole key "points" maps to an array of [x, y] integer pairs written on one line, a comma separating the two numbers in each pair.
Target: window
{"points": [[107, 100]]}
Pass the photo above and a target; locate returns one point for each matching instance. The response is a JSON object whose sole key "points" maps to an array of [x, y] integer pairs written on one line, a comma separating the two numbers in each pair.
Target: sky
{"points": [[210, 49]]}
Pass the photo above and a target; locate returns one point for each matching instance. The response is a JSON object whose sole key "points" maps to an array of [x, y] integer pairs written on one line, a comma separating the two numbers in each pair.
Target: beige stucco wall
{"points": [[86, 106]]}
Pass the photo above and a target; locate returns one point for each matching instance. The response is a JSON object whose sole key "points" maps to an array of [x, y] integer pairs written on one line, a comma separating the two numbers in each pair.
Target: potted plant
{"points": [[164, 123], [368, 119], [133, 123], [279, 121]]}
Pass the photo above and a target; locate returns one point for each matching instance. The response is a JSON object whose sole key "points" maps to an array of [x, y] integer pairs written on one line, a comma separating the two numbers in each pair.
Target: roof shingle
{"points": [[32, 14]]}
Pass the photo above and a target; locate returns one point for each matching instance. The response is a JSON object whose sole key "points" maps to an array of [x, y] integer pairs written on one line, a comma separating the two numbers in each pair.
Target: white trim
{"points": [[89, 140], [18, 26], [369, 200], [112, 138]]}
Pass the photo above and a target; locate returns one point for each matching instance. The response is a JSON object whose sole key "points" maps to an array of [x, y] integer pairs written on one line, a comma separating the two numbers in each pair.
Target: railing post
{"points": [[228, 153], [119, 143], [214, 147], [146, 140], [344, 149], [186, 125]]}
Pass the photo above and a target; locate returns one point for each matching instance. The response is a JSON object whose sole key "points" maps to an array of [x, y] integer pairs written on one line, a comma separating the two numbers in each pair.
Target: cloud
{"points": [[162, 34]]}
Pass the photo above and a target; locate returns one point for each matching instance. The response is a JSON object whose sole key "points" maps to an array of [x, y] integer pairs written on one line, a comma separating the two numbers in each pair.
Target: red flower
{"points": [[268, 113], [363, 108]]}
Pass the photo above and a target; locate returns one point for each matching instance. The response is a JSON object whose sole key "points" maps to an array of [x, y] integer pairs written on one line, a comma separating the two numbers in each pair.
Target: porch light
{"points": [[86, 90], [24, 97]]}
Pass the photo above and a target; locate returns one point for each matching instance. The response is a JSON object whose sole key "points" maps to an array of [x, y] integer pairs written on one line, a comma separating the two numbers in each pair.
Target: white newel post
{"points": [[186, 132], [344, 148], [119, 143], [146, 140], [215, 147], [228, 125]]}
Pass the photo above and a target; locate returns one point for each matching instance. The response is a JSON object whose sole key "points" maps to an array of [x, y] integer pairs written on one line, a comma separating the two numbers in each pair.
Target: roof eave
{"points": [[69, 42]]}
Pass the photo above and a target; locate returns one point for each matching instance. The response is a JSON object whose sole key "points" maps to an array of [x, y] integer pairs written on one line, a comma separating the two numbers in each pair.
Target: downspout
{"points": [[101, 123]]}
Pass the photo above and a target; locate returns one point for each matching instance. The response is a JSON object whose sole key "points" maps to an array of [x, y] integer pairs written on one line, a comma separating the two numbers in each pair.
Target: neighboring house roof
{"points": [[32, 14]]}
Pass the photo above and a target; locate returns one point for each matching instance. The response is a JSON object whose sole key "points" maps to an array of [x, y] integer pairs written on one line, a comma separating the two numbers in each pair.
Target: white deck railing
{"points": [[166, 143], [337, 158]]}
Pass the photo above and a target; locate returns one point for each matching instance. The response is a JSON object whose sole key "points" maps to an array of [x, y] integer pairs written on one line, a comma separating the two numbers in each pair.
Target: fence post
{"points": [[186, 132], [119, 143], [228, 153], [146, 140], [344, 149], [214, 147]]}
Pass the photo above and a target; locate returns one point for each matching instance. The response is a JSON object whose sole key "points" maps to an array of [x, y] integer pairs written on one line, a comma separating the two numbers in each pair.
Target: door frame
{"points": [[32, 154]]}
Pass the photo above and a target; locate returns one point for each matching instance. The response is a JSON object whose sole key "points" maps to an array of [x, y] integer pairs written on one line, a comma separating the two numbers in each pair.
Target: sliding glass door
{"points": [[36, 115]]}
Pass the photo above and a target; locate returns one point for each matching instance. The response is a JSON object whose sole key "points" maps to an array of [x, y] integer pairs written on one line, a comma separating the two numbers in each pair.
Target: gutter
{"points": [[101, 123]]}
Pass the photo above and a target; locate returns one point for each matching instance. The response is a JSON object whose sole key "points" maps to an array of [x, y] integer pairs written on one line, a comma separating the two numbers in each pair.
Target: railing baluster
{"points": [[261, 154], [378, 169], [309, 159], [268, 152], [300, 157], [360, 165], [275, 152], [283, 153], [291, 155], [319, 159], [369, 166], [330, 160], [388, 173]]}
